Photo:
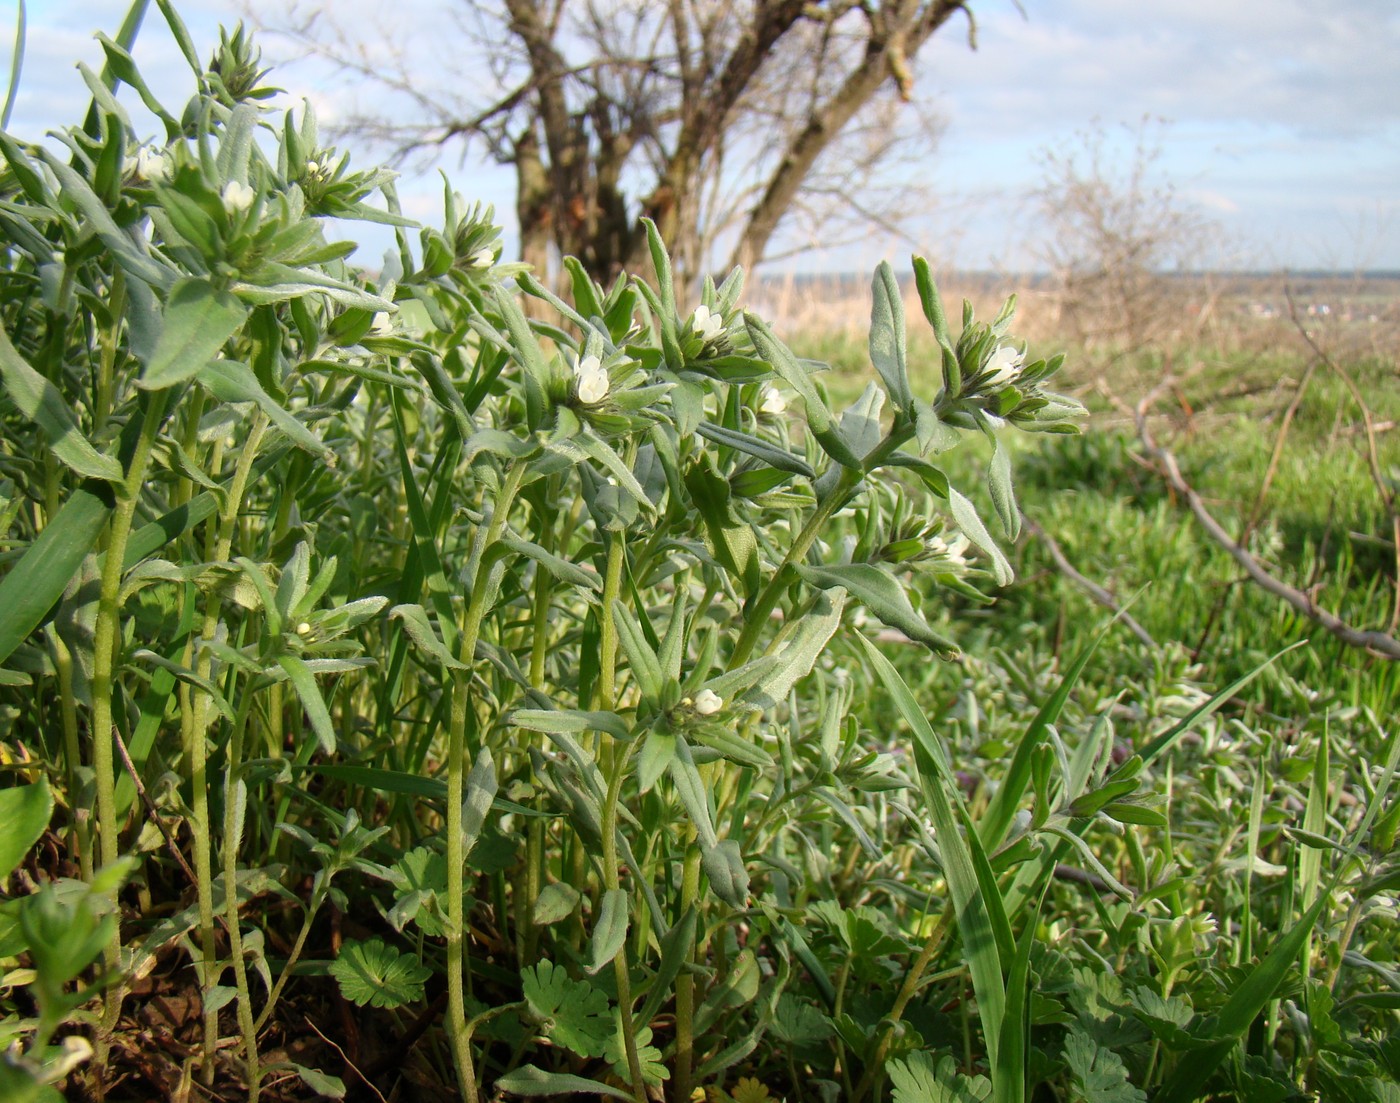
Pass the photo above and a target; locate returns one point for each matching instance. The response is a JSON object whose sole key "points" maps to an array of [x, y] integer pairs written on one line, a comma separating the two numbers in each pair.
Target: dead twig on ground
{"points": [[1088, 585], [1377, 643]]}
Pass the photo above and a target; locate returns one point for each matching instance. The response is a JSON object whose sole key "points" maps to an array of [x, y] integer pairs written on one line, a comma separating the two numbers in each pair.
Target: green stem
{"points": [[616, 765], [233, 829], [457, 1029], [106, 634], [906, 993], [768, 597], [685, 981], [197, 747]]}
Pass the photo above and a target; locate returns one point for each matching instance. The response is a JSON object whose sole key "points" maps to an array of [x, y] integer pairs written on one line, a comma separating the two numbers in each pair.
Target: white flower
{"points": [[771, 401], [304, 629], [708, 702], [1003, 367], [590, 381], [953, 550], [483, 258], [237, 197], [705, 325], [381, 326], [313, 169], [150, 165]]}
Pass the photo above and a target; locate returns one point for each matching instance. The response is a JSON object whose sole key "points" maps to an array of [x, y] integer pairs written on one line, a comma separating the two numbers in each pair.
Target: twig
{"points": [[1088, 585], [346, 1058], [1377, 643], [151, 812]]}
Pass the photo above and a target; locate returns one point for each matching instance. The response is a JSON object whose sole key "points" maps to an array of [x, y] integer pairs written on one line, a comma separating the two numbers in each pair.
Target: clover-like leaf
{"points": [[573, 1013], [379, 975], [654, 1071]]}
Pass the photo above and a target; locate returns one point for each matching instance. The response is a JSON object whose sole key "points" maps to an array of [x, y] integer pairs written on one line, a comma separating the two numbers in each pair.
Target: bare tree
{"points": [[718, 119], [1117, 233]]}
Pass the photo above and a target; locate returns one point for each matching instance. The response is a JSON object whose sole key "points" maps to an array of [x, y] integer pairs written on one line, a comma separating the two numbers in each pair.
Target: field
{"points": [[425, 684]]}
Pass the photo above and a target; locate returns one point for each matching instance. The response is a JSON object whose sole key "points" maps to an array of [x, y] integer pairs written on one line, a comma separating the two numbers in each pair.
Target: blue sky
{"points": [[1282, 117]]}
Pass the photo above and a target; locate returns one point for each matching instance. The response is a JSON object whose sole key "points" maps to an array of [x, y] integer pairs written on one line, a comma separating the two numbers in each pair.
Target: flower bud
{"points": [[237, 197], [708, 702]]}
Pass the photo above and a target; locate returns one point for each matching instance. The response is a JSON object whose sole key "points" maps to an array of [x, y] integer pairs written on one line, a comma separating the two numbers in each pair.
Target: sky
{"points": [[1276, 121]]}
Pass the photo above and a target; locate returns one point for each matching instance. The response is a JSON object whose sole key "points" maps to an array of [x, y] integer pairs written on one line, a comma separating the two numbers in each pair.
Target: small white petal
{"points": [[771, 401], [708, 702], [1004, 366], [590, 381], [483, 258], [151, 165], [706, 325], [381, 326], [237, 197], [313, 168], [303, 629]]}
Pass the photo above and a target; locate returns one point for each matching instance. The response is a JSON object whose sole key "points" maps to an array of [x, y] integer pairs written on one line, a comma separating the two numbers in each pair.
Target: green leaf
{"points": [[693, 794], [932, 303], [798, 655], [965, 516], [916, 1079], [572, 1013], [481, 794], [881, 594], [554, 721], [1003, 495], [378, 975], [324, 1085], [528, 1080], [1097, 1073], [760, 449], [34, 585], [424, 636], [723, 864], [197, 320], [25, 812], [887, 338], [819, 417], [40, 401], [233, 381], [560, 568], [609, 931], [304, 682], [556, 901]]}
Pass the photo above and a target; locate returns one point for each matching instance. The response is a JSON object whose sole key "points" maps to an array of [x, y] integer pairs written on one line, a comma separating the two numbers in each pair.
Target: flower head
{"points": [[771, 401], [952, 551], [1004, 366], [706, 325], [708, 702], [590, 381], [237, 197], [382, 325], [151, 166], [482, 258]]}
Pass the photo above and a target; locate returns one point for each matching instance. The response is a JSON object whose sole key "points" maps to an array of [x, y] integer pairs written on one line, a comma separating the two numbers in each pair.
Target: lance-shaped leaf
{"points": [[34, 585], [526, 349], [304, 682], [610, 930], [882, 595], [819, 417], [481, 792], [569, 721], [1003, 494], [723, 864], [760, 449], [25, 812], [197, 320], [232, 381], [40, 401], [424, 636], [887, 338], [533, 1082], [965, 514], [794, 662], [560, 568], [691, 790]]}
